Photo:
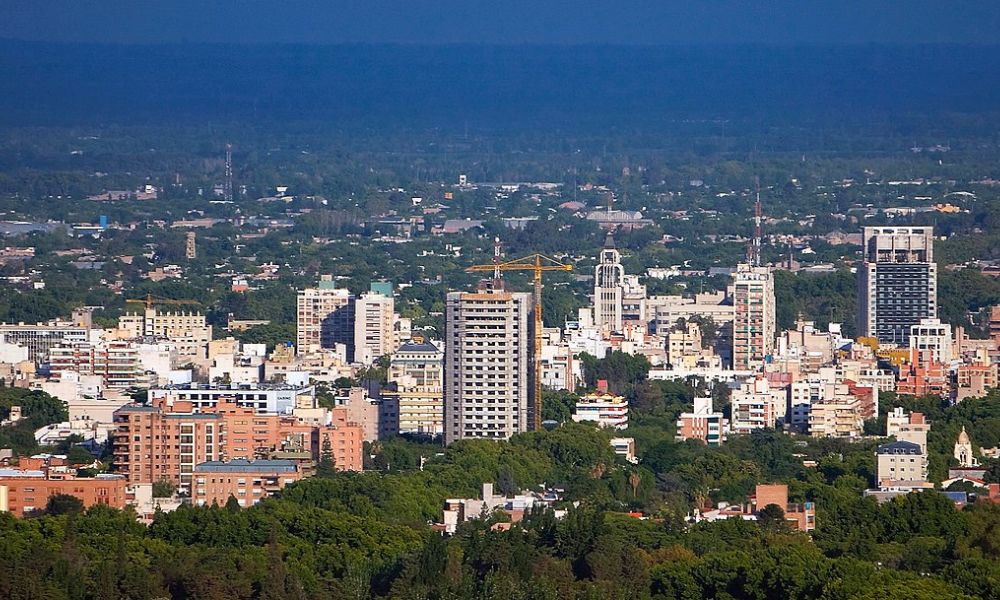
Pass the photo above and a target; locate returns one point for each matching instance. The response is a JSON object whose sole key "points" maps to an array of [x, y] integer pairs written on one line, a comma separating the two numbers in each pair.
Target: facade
{"points": [[901, 465], [754, 317], [603, 408], [800, 516], [930, 342], [25, 491], [116, 362], [838, 415], [897, 282], [374, 334], [416, 380], [325, 318], [609, 288], [41, 338], [188, 331], [265, 398], [684, 345], [907, 427], [702, 423], [489, 390], [248, 481], [163, 441], [753, 406]]}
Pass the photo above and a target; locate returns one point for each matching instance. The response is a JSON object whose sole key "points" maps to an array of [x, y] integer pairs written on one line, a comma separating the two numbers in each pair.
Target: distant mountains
{"points": [[502, 86]]}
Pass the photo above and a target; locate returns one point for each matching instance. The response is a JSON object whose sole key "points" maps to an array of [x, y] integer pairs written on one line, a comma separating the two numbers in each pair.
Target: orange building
{"points": [[801, 516], [23, 491], [249, 481], [922, 380], [168, 441]]}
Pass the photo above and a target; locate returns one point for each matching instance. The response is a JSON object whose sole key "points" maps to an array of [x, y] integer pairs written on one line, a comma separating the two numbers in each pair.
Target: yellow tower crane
{"points": [[536, 263]]}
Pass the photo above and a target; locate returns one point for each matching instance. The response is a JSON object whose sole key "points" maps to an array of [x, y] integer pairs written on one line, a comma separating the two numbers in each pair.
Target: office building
{"points": [[897, 282], [325, 318], [39, 339], [752, 292], [374, 333], [489, 391], [609, 288], [265, 398]]}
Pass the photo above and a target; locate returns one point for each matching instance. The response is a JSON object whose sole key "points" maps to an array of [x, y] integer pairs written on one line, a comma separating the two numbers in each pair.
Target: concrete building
{"points": [[609, 290], [248, 481], [753, 405], [25, 491], [665, 311], [377, 417], [265, 398], [489, 391], [117, 363], [374, 332], [325, 318], [930, 342], [837, 415], [188, 331], [901, 466], [897, 282], [39, 339], [684, 345], [416, 381], [907, 427], [702, 423], [754, 317], [166, 442], [602, 407]]}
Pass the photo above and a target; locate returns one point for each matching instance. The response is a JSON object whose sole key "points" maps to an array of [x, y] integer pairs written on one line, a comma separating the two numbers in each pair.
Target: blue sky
{"points": [[504, 21]]}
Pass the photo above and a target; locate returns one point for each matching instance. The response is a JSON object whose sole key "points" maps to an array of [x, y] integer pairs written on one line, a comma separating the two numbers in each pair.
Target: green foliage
{"points": [[37, 409]]}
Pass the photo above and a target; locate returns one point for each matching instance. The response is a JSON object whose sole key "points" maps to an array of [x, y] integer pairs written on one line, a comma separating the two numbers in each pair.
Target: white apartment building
{"points": [[116, 362], [325, 318], [754, 317], [603, 408], [754, 405], [374, 331], [488, 364], [609, 290], [930, 341]]}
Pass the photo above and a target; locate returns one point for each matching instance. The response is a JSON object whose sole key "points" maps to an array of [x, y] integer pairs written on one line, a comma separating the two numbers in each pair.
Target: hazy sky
{"points": [[505, 21]]}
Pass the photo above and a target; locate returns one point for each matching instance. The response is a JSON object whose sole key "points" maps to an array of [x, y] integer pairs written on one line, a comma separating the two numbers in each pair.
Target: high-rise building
{"points": [[191, 245], [325, 317], [609, 288], [489, 390], [897, 282], [754, 322], [374, 334]]}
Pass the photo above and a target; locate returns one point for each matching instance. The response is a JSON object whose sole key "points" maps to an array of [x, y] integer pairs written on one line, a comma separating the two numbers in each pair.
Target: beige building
{"points": [[684, 346], [901, 465], [325, 318], [907, 427], [188, 331], [416, 372]]}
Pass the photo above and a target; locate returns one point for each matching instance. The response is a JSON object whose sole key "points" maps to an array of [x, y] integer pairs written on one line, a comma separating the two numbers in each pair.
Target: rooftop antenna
{"points": [[227, 191], [753, 252]]}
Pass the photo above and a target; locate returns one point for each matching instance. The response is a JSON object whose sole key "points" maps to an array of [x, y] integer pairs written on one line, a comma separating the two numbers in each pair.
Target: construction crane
{"points": [[537, 264], [149, 301]]}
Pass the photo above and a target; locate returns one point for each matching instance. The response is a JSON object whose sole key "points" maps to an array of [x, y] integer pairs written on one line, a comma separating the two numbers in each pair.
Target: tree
{"points": [[163, 488], [327, 464], [771, 518], [63, 504]]}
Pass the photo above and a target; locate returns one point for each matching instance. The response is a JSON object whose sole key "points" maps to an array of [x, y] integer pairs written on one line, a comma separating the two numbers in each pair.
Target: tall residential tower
{"points": [[754, 320], [488, 364], [897, 282]]}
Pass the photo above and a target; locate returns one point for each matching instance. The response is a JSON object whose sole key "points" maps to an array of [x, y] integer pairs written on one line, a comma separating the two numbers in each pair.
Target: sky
{"points": [[642, 22]]}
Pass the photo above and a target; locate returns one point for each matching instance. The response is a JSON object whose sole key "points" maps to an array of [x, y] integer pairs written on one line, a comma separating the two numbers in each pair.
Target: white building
{"points": [[488, 364], [603, 408], [265, 398], [609, 276], [754, 317], [325, 318], [930, 342], [374, 331]]}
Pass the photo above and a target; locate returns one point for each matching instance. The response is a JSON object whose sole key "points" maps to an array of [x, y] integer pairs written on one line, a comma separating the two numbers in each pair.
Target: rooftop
{"points": [[246, 466]]}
